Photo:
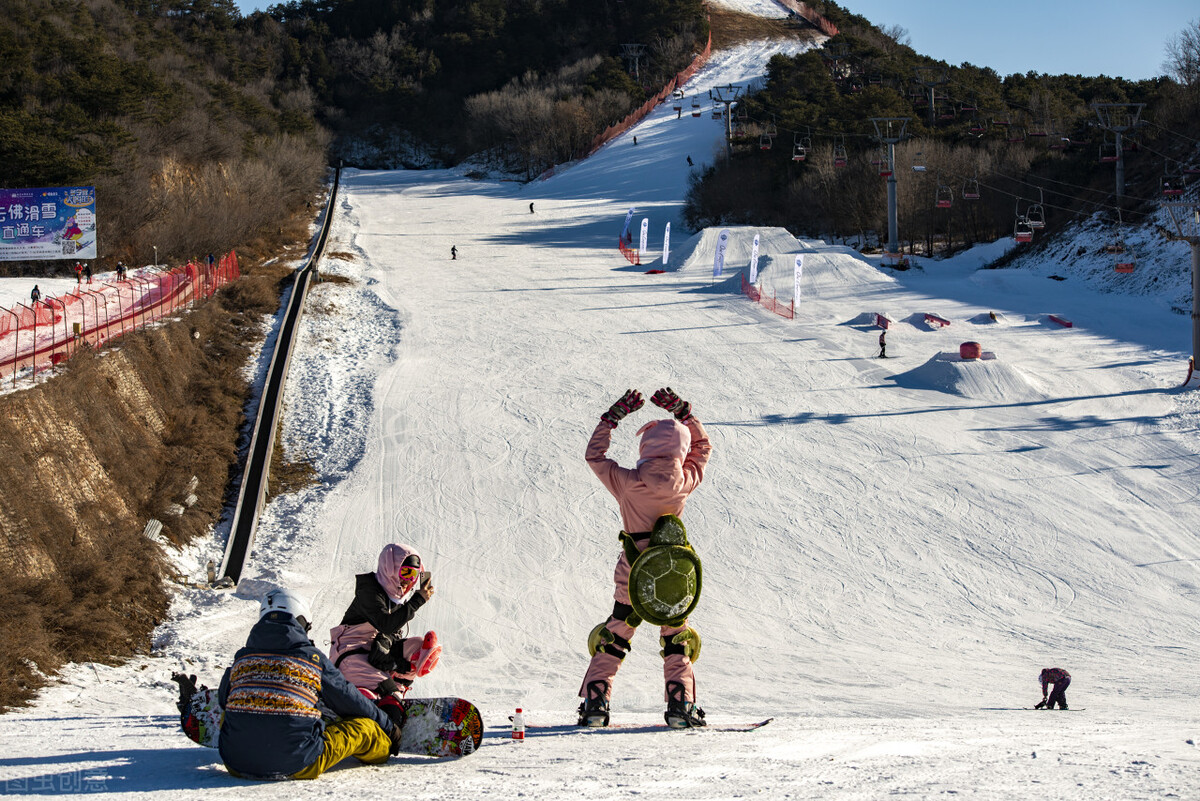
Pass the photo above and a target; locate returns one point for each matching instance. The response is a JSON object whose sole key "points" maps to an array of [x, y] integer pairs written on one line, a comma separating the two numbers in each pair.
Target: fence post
{"points": [[34, 313], [16, 342], [53, 333]]}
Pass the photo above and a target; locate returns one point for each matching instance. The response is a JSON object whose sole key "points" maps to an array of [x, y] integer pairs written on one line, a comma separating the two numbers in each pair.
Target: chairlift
{"points": [[1036, 214], [799, 152], [840, 159], [1022, 231], [918, 164], [968, 106], [1016, 134], [677, 100], [971, 189], [1002, 121], [875, 79], [772, 131], [717, 111], [695, 105], [1108, 152], [764, 142], [944, 196], [1058, 141], [1171, 187], [976, 125]]}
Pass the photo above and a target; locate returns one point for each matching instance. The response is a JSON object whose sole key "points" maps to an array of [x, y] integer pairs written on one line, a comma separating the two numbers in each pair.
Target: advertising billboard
{"points": [[55, 223]]}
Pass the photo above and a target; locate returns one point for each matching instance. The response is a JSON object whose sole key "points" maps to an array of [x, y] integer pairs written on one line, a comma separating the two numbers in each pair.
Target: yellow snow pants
{"points": [[357, 737]]}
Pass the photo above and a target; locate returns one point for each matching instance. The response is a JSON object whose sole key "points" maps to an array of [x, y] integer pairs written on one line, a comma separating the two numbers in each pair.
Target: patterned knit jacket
{"points": [[273, 727]]}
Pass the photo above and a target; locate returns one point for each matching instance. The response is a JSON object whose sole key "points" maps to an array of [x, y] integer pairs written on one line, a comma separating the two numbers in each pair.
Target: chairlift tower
{"points": [[1119, 118], [889, 131], [633, 54], [728, 96], [1185, 216], [931, 78]]}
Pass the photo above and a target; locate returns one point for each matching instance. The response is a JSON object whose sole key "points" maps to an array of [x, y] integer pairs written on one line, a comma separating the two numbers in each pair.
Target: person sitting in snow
{"points": [[673, 455], [1061, 680], [369, 645], [272, 726]]}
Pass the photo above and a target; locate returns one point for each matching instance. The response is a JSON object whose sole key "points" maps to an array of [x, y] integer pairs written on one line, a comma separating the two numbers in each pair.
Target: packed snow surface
{"points": [[892, 548]]}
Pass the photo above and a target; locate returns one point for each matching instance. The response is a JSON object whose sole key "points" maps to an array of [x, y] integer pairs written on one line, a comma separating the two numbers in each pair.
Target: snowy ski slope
{"points": [[892, 549]]}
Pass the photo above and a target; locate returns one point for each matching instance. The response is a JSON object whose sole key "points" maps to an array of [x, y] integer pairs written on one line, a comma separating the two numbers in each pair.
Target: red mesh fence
{"points": [[44, 334], [630, 254], [771, 303]]}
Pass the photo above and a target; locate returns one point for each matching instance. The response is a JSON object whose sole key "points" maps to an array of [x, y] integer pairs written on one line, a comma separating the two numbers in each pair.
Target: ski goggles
{"points": [[409, 573]]}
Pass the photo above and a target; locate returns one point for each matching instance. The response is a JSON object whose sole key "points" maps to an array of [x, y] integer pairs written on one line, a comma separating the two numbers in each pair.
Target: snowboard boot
{"points": [[427, 658], [392, 707], [681, 714], [593, 712]]}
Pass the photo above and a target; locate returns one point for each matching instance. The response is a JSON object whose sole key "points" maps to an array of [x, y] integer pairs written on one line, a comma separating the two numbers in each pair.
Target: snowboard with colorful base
{"points": [[440, 727], [437, 727]]}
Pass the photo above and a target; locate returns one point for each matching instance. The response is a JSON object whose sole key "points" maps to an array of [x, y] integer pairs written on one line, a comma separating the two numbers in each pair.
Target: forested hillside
{"points": [[975, 150], [202, 128]]}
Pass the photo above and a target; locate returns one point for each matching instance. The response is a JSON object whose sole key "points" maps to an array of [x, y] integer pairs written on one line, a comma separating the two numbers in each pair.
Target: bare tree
{"points": [[1183, 55]]}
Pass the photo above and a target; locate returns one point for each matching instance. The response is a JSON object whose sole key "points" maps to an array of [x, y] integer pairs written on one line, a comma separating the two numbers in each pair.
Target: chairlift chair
{"points": [[1016, 134], [1022, 231], [1035, 215], [1108, 152], [772, 131], [971, 189], [839, 156], [695, 105], [918, 164], [1125, 263], [717, 111], [799, 152], [944, 198], [764, 142]]}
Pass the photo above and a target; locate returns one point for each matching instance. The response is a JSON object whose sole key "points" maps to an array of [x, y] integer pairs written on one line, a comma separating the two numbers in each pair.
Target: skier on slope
{"points": [[272, 726], [369, 645], [673, 454]]}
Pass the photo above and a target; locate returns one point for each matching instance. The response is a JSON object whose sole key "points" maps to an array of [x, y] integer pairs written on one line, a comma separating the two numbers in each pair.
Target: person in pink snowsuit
{"points": [[369, 645], [673, 454]]}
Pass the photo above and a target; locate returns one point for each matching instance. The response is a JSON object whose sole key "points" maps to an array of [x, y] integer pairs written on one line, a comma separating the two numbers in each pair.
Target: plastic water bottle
{"points": [[518, 727]]}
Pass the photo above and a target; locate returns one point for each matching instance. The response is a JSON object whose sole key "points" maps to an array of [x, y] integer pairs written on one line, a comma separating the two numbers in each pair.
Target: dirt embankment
{"points": [[146, 428]]}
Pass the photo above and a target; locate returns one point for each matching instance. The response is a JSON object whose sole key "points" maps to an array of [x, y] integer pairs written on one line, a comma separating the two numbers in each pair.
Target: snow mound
{"points": [[698, 252], [978, 379]]}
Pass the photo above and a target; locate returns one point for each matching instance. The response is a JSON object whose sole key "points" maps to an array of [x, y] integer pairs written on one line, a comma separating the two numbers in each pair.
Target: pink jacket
{"points": [[673, 457]]}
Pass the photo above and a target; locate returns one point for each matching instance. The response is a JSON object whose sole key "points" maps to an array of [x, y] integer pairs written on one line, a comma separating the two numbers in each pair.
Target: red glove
{"points": [[631, 401], [667, 399]]}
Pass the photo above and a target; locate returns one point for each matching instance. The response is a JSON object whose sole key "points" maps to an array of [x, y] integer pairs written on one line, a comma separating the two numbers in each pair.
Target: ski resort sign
{"points": [[55, 223]]}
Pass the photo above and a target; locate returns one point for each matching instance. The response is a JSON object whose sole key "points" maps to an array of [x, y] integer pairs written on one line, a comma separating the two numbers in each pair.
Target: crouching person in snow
{"points": [[369, 645], [673, 454], [272, 726], [1061, 680]]}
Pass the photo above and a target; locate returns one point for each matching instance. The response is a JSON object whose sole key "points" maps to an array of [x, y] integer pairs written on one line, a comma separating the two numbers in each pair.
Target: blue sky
{"points": [[1092, 37]]}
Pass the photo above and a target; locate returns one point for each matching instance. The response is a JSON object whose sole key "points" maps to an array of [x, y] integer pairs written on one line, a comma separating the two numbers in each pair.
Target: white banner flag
{"points": [[644, 242], [628, 220], [719, 259], [666, 244], [796, 288], [754, 262]]}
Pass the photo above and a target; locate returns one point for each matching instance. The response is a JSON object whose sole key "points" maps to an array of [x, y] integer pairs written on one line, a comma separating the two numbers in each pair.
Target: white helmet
{"points": [[280, 600]]}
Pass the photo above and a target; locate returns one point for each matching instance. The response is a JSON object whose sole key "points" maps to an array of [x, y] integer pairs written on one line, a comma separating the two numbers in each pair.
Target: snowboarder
{"points": [[453, 253], [531, 208], [635, 140], [673, 455], [87, 270], [883, 344], [35, 294], [272, 726], [369, 645], [689, 158], [1061, 680], [120, 271]]}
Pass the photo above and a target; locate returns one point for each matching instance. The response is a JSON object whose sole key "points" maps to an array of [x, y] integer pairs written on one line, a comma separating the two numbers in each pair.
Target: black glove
{"points": [[631, 401], [187, 688], [380, 656], [666, 398], [393, 734]]}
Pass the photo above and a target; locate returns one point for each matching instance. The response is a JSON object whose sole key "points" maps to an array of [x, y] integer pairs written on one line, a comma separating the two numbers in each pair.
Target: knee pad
{"points": [[686, 642], [603, 640], [625, 614]]}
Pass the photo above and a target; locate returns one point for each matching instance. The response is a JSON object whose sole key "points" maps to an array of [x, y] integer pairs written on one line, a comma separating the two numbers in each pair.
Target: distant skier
{"points": [[1061, 680], [272, 726], [453, 253], [635, 140], [531, 207], [369, 645], [673, 453], [87, 271], [35, 295], [883, 344], [690, 164]]}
